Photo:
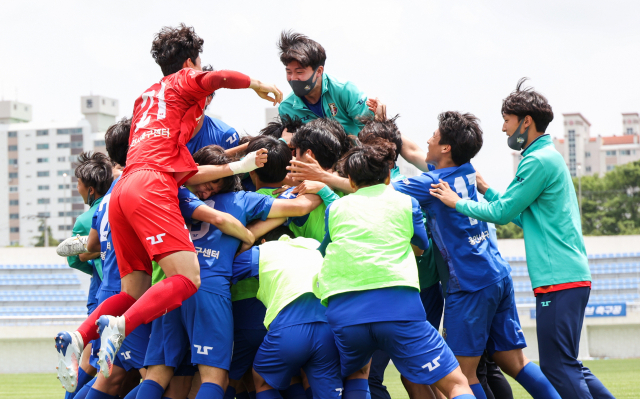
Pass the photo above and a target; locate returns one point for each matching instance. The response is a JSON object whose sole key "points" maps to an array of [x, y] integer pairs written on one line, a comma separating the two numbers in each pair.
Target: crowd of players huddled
{"points": [[298, 262]]}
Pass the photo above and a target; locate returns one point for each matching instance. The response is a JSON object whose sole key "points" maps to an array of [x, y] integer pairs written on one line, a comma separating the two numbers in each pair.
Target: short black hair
{"points": [[171, 47], [387, 130], [463, 133], [117, 141], [214, 155], [279, 155], [317, 137], [94, 169], [298, 47], [275, 128], [275, 234], [526, 101], [368, 165]]}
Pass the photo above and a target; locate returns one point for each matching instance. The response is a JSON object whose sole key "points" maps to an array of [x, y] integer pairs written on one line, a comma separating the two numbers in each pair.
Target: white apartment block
{"points": [[37, 181], [586, 155]]}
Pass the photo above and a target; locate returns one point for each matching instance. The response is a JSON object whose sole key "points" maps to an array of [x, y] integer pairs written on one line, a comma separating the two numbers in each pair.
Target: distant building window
{"points": [[44, 201], [64, 145], [99, 143], [629, 130], [14, 216], [13, 189], [43, 173], [62, 172], [13, 148], [13, 161], [14, 202], [42, 132], [12, 134], [42, 146], [73, 214], [587, 154], [43, 188], [113, 103], [72, 130], [62, 159], [76, 144], [89, 103], [611, 153], [588, 168], [14, 229], [625, 152], [43, 160], [44, 214], [13, 175], [73, 158], [64, 227], [103, 101], [610, 167], [63, 186]]}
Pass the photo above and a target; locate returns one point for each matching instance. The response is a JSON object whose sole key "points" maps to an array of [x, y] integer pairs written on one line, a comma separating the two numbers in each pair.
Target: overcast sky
{"points": [[420, 57]]}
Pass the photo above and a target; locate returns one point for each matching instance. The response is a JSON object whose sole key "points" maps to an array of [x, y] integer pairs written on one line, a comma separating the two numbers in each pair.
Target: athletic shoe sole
{"points": [[69, 353], [110, 342]]}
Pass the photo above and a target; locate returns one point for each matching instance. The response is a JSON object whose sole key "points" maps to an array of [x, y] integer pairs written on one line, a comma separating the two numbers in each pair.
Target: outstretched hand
{"points": [[300, 171], [378, 108], [265, 89], [443, 192], [308, 187]]}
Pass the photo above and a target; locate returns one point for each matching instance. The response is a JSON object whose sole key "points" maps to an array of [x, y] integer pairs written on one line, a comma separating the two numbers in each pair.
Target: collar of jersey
{"points": [[538, 143]]}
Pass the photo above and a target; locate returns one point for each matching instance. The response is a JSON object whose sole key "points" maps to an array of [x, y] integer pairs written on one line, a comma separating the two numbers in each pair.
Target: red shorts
{"points": [[145, 220]]}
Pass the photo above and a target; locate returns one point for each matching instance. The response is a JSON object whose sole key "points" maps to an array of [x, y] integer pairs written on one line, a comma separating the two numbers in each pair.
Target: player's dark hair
{"points": [[171, 47], [387, 130], [298, 47], [117, 141], [275, 234], [526, 101], [94, 169], [214, 155], [463, 133], [369, 164], [323, 139], [209, 68], [279, 156], [275, 128]]}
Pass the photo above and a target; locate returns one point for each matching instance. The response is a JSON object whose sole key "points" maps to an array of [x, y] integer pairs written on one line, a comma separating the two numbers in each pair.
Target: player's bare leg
{"points": [[454, 384], [419, 391], [179, 387], [214, 381], [112, 385], [528, 374], [511, 362]]}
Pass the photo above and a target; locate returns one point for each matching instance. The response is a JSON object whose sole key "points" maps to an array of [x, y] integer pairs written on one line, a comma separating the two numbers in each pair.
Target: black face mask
{"points": [[518, 139], [90, 199], [302, 88]]}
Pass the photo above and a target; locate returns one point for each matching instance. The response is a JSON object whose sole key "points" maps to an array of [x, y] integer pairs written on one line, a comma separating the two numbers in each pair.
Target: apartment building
{"points": [[587, 155], [37, 182]]}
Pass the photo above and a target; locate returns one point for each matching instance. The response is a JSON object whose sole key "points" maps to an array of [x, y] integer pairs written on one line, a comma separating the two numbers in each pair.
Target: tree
{"points": [[52, 241], [509, 231]]}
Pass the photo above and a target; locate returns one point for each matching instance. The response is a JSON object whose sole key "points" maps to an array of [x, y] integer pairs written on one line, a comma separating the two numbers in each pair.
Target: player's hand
{"points": [[481, 183], [244, 247], [308, 187], [261, 157], [265, 89], [443, 192], [282, 189], [378, 108], [300, 171]]}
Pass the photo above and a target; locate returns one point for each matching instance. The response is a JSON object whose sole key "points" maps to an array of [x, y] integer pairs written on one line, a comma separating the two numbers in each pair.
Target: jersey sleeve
{"points": [[257, 206], [525, 188], [416, 187], [420, 238], [198, 84], [94, 222], [355, 103], [246, 265], [188, 203], [230, 138]]}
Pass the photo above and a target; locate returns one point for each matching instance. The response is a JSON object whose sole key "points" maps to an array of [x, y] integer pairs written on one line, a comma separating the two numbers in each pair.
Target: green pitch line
{"points": [[620, 376]]}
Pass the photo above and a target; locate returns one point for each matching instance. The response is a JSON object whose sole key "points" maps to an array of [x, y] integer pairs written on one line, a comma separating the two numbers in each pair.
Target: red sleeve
{"points": [[212, 81]]}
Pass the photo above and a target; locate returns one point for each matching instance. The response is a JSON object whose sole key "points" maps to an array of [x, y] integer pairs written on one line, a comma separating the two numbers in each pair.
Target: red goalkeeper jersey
{"points": [[166, 115]]}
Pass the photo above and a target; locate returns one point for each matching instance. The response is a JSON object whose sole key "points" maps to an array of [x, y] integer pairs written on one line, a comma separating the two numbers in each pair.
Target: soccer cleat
{"points": [[111, 338], [69, 347], [73, 246]]}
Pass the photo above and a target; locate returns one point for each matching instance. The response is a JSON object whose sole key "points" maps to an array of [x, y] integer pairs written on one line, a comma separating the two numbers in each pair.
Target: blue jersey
{"points": [[214, 131], [100, 222], [216, 250], [472, 257]]}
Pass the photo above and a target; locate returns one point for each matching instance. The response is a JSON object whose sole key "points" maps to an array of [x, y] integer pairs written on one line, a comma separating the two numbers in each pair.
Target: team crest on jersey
{"points": [[333, 108]]}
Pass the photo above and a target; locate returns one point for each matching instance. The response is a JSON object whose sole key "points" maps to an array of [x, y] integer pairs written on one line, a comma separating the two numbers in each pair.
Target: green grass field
{"points": [[622, 377]]}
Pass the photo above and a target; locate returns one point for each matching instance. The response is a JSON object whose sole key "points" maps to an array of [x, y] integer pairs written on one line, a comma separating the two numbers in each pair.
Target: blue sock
{"points": [[230, 393], [309, 393], [95, 394], [269, 394], [356, 389], [296, 391], [478, 391], [133, 393], [538, 386], [243, 395], [464, 396], [150, 390], [82, 393], [209, 390], [252, 394]]}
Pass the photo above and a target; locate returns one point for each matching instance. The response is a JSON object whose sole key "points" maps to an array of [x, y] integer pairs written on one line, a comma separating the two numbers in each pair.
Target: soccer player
{"points": [[316, 94], [205, 320], [556, 257], [282, 128], [480, 310], [369, 280], [144, 212]]}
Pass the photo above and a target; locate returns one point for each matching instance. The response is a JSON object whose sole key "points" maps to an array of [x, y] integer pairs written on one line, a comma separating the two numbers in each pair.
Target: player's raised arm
{"points": [[207, 173], [299, 206], [212, 81], [227, 224]]}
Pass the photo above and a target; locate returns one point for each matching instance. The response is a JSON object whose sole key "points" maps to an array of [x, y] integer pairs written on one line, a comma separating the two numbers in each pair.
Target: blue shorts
{"points": [[203, 324], [416, 348], [134, 348], [245, 346], [309, 346], [483, 319]]}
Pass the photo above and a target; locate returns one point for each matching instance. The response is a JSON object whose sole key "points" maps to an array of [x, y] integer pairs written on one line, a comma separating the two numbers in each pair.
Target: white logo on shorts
{"points": [[203, 350], [157, 239], [433, 366], [126, 355], [340, 390]]}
